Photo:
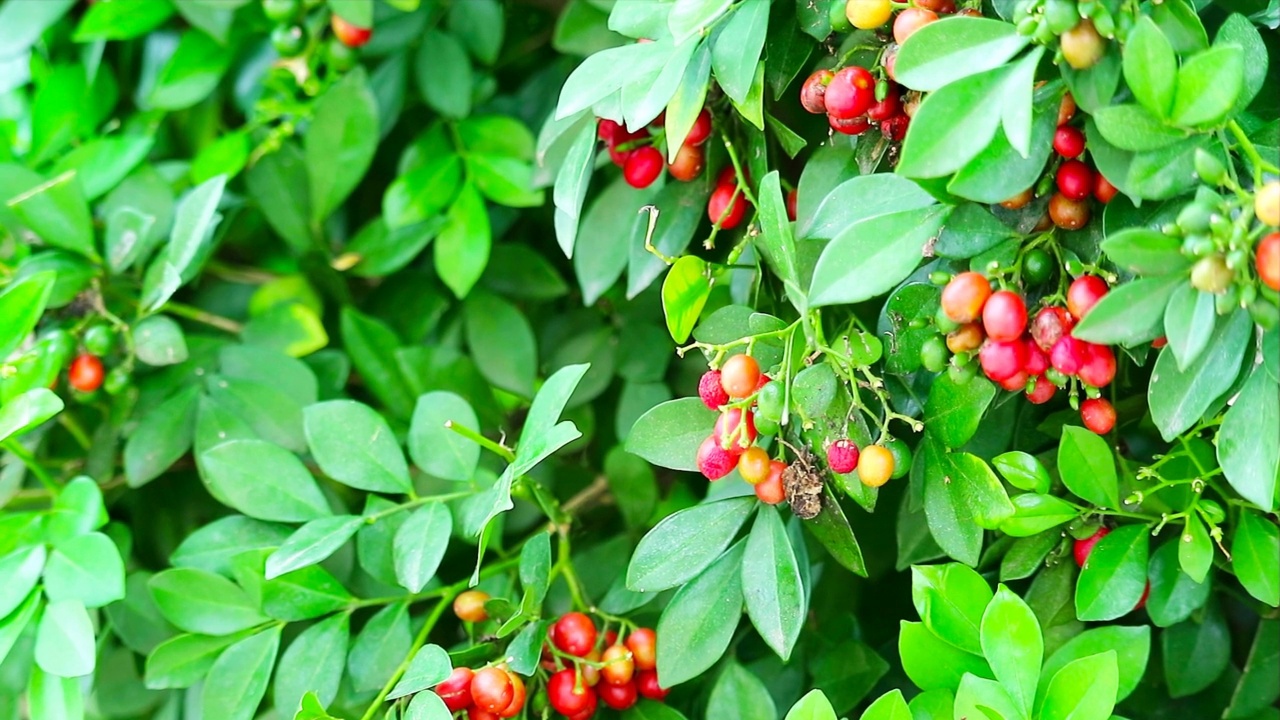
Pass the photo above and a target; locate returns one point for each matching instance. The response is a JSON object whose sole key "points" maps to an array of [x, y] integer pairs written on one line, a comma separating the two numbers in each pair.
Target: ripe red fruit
{"points": [[491, 689], [792, 198], [1083, 547], [1099, 366], [1098, 415], [895, 128], [574, 633], [711, 391], [945, 7], [647, 684], [1002, 360], [689, 163], [643, 167], [1159, 342], [350, 35], [1004, 316], [1075, 180], [475, 713], [1067, 355], [1068, 142], [842, 456], [1267, 260], [1084, 293], [735, 430], [771, 491], [714, 462], [643, 644], [1103, 190], [1049, 325], [517, 699], [719, 207], [850, 93], [888, 107], [563, 698], [701, 129], [618, 697], [964, 296], [740, 375], [618, 665], [455, 691], [85, 373], [1042, 392], [1016, 383], [1037, 360], [1068, 214], [606, 129], [813, 92], [1066, 109], [911, 20], [852, 126]]}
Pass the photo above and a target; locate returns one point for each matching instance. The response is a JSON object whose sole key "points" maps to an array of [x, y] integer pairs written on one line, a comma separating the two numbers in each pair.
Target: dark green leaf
{"points": [[314, 662], [953, 125], [1132, 645], [685, 543], [1253, 551], [705, 613], [1195, 652], [738, 693], [264, 481], [238, 680], [380, 647], [1249, 465], [429, 667], [420, 544], [953, 412], [775, 597], [1174, 594], [669, 434], [435, 448], [1178, 398], [353, 445], [859, 264], [340, 143], [1145, 252], [1023, 471], [444, 74], [1132, 127], [1034, 513], [185, 660]]}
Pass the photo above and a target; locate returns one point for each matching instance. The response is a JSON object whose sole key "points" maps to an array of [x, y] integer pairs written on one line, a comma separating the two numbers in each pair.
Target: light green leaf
{"points": [[1251, 466], [705, 613], [263, 480], [87, 569], [941, 54], [859, 264], [684, 292], [200, 602], [1083, 689], [312, 543], [771, 583], [1115, 575], [1178, 398], [1208, 84], [314, 662], [353, 445], [64, 640], [27, 411], [1013, 645], [1088, 468], [1150, 67], [420, 544], [238, 679], [341, 142]]}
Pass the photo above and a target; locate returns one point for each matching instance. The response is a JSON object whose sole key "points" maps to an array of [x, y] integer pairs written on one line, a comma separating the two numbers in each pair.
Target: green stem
{"points": [[73, 427], [418, 642], [28, 459], [501, 450], [564, 566], [415, 502], [202, 316], [1251, 152]]}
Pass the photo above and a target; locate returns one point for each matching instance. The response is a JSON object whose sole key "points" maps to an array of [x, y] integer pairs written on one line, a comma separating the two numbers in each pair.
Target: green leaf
{"points": [[1027, 555], [212, 546], [462, 249], [312, 543], [504, 180], [1253, 551], [28, 411], [813, 706], [1034, 513], [183, 661], [1131, 644], [1023, 471], [238, 680], [54, 698], [1195, 652], [429, 667], [1133, 127], [420, 544], [1150, 67], [436, 449], [444, 74], [371, 345], [380, 647], [691, 17], [15, 623], [669, 434], [279, 186], [162, 437], [571, 187], [101, 164], [860, 199], [21, 570], [422, 193], [353, 445], [739, 693], [934, 664], [1095, 87], [1083, 689], [87, 569], [980, 698], [191, 74], [200, 602], [953, 412], [1013, 645], [970, 231], [1115, 575], [889, 706], [544, 432], [77, 510], [313, 663], [684, 292], [831, 528], [951, 600], [502, 343], [479, 26], [426, 706], [775, 596], [705, 613], [1208, 84], [535, 570], [303, 594], [1195, 552], [685, 543], [1087, 467], [1237, 30], [159, 341], [1174, 594], [122, 19], [1182, 26], [1188, 323], [59, 214], [1142, 251], [1169, 171], [859, 264], [947, 53], [1257, 687], [340, 143], [948, 523], [1178, 398], [21, 304], [1251, 466], [64, 640], [953, 124], [1131, 313], [263, 480], [25, 22], [736, 50]]}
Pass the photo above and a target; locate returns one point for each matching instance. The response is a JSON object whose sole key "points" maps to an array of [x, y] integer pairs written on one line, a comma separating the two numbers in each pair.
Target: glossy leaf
{"points": [[1115, 575], [1087, 467], [775, 596], [684, 544], [705, 612]]}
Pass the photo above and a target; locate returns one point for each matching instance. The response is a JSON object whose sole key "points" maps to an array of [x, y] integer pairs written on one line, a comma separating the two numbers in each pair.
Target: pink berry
{"points": [[842, 456], [710, 390]]}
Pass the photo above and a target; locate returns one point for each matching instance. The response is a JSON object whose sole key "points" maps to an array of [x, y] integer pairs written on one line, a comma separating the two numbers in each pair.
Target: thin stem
{"points": [[1251, 152], [202, 316], [418, 642], [33, 465], [564, 565], [72, 426], [501, 450], [415, 502]]}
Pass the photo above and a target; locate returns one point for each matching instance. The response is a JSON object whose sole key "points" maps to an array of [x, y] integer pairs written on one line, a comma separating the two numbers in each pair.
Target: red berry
{"points": [[1037, 360], [814, 90], [1266, 260], [1016, 383], [574, 633], [1075, 180], [1142, 601], [714, 462], [517, 699], [701, 129], [348, 34], [1042, 392], [85, 373], [475, 713], [643, 167], [740, 375], [1004, 316], [1068, 142], [964, 297], [719, 207], [911, 20], [1103, 190], [1049, 325], [1002, 360], [1068, 214], [606, 129], [1066, 109], [735, 431], [888, 107], [563, 697], [1083, 547], [618, 697], [647, 684], [791, 206], [491, 689], [895, 128], [455, 691], [1099, 366], [711, 391], [852, 126], [1067, 355], [771, 491], [850, 93], [1098, 415], [689, 163], [842, 456], [1159, 342], [1084, 293], [643, 644]]}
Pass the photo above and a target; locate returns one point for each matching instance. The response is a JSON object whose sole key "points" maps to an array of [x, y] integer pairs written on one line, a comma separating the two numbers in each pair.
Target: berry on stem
{"points": [[647, 684], [876, 466], [965, 338], [1049, 325], [852, 126], [469, 606], [842, 456], [719, 207], [701, 129], [1042, 392], [1068, 142], [1098, 415], [1074, 180], [618, 666], [86, 373], [868, 14], [1267, 260], [643, 166], [1002, 360], [619, 697], [711, 391], [1068, 214], [911, 20], [565, 697], [1103, 190], [348, 34], [574, 633], [1019, 201], [964, 297], [714, 462], [1085, 292], [771, 491], [1067, 355], [455, 691], [1266, 204], [1082, 46], [689, 163], [813, 92], [850, 93], [1083, 548], [643, 644], [740, 375], [1004, 316], [753, 465], [1099, 366], [491, 689]]}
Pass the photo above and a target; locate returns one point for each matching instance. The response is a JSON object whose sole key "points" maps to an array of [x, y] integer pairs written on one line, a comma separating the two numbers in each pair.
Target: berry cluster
{"points": [[1075, 179], [617, 674], [1037, 357], [1084, 547], [289, 37], [486, 694], [875, 464], [853, 99], [637, 153], [1081, 28]]}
